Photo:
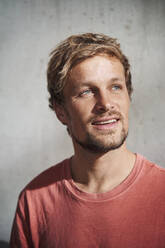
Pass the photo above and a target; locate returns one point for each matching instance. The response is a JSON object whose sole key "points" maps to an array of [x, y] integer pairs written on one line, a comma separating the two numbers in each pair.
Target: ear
{"points": [[60, 113]]}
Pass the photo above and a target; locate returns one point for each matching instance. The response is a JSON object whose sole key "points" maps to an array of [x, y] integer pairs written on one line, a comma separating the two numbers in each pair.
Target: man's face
{"points": [[97, 104]]}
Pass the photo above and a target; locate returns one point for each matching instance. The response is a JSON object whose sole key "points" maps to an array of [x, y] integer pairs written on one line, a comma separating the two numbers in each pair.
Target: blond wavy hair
{"points": [[72, 51]]}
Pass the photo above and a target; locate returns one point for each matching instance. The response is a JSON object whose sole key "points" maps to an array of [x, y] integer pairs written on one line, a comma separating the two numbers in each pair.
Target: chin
{"points": [[98, 145]]}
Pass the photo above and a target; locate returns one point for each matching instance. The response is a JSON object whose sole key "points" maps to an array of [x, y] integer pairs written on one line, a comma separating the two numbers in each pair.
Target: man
{"points": [[104, 195]]}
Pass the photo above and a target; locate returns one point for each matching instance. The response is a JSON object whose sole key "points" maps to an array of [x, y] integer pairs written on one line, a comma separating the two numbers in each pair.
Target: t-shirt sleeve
{"points": [[20, 234]]}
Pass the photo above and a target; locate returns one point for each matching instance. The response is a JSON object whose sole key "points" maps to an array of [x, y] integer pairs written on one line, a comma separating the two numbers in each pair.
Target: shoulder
{"points": [[153, 174], [49, 177], [44, 190], [151, 166]]}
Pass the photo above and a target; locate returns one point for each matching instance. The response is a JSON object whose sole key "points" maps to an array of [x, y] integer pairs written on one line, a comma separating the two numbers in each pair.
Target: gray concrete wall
{"points": [[31, 139]]}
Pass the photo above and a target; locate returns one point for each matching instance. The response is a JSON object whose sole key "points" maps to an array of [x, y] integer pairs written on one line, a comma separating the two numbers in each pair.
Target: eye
{"points": [[116, 87], [85, 92]]}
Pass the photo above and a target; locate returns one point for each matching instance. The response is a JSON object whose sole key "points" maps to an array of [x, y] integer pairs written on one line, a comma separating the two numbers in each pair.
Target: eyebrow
{"points": [[88, 83], [117, 79]]}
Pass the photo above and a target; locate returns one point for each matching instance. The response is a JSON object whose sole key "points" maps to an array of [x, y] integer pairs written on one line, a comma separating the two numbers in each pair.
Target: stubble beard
{"points": [[96, 145]]}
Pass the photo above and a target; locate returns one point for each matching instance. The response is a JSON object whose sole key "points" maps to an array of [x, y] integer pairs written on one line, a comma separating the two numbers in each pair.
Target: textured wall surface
{"points": [[31, 138]]}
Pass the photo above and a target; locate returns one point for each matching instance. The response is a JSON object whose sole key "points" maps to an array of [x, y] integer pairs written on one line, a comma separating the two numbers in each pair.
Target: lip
{"points": [[98, 123], [99, 120]]}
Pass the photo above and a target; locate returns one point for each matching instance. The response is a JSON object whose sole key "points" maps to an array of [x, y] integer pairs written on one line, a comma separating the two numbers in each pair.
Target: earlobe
{"points": [[60, 113]]}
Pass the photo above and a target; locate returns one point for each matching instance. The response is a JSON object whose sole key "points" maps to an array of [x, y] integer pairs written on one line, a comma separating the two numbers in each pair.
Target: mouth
{"points": [[107, 123]]}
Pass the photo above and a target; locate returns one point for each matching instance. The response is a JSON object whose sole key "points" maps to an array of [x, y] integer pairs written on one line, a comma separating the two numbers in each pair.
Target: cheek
{"points": [[80, 109], [76, 115], [125, 111], [126, 105]]}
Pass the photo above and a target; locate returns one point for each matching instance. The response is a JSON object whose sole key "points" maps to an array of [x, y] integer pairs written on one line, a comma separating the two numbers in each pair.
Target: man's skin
{"points": [[95, 110]]}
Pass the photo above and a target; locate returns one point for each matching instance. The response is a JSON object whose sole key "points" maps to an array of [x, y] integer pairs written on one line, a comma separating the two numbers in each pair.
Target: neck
{"points": [[98, 173]]}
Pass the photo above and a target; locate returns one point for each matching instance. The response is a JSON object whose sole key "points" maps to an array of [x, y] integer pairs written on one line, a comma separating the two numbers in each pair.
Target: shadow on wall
{"points": [[4, 244]]}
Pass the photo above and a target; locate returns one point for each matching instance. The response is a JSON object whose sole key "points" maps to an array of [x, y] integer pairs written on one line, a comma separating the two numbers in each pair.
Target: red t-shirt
{"points": [[53, 212]]}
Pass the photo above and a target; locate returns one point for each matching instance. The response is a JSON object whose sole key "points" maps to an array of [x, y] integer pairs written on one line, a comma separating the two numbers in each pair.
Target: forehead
{"points": [[99, 66]]}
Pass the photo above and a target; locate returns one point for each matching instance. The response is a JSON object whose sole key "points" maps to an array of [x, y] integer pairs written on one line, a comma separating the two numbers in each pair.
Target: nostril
{"points": [[102, 108]]}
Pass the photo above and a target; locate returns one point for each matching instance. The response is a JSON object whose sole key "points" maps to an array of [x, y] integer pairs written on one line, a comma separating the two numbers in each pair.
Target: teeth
{"points": [[106, 122]]}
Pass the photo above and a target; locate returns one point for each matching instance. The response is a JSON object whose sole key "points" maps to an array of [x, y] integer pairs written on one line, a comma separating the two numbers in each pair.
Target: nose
{"points": [[104, 102]]}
